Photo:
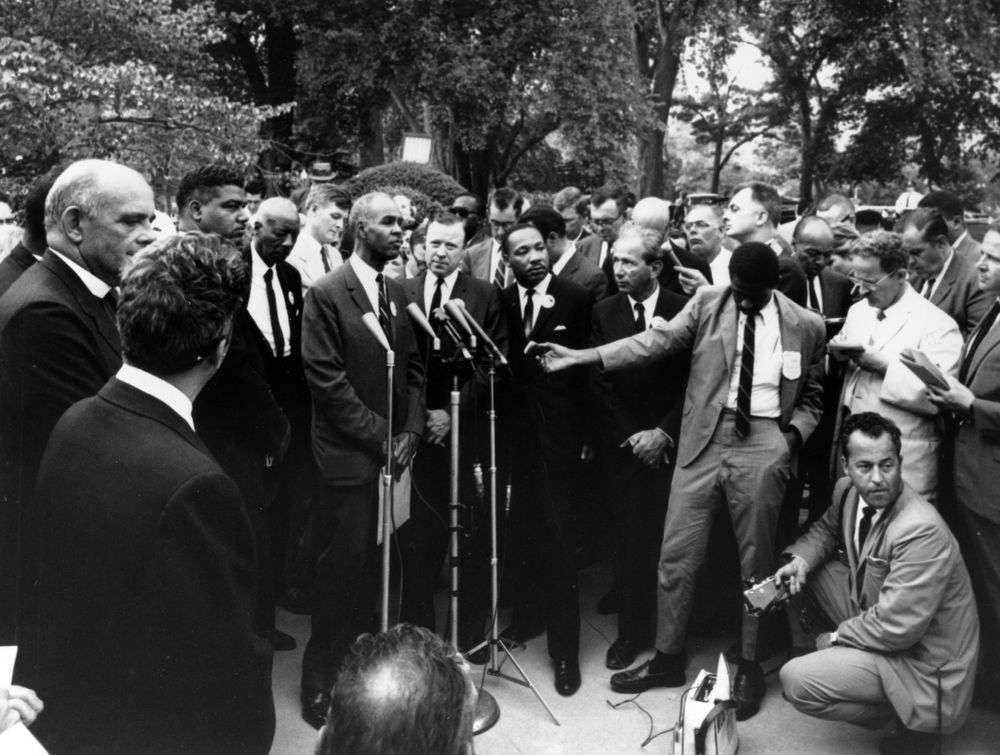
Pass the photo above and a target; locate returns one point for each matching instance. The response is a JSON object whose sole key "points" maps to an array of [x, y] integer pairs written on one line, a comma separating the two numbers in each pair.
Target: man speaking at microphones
{"points": [[345, 366], [424, 538]]}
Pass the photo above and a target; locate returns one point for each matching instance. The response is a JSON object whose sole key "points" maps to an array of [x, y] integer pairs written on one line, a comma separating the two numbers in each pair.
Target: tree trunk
{"points": [[717, 161], [661, 76], [808, 162], [371, 146], [651, 163]]}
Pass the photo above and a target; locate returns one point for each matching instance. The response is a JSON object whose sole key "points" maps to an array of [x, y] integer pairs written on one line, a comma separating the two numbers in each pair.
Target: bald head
{"points": [[99, 213], [652, 213], [813, 241], [275, 228]]}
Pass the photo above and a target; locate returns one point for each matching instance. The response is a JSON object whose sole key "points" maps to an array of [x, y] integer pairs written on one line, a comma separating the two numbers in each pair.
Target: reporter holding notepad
{"points": [[891, 318], [973, 399]]}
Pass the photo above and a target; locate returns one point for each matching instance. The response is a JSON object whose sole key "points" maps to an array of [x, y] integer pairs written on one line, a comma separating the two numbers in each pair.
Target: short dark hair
{"points": [[949, 203], [200, 183], [872, 424], [34, 206], [505, 197], [765, 195], [324, 193], [519, 226], [178, 298], [255, 186], [755, 265], [602, 195], [400, 691], [444, 218], [928, 220], [546, 219], [886, 246]]}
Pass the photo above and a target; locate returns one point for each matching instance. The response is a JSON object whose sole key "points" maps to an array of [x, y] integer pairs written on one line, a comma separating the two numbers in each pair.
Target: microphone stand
{"points": [[387, 486]]}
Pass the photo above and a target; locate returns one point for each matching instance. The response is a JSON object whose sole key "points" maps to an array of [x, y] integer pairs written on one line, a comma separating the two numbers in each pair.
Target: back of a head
{"points": [[767, 197], [566, 197], [178, 299], [401, 692], [835, 201], [34, 211], [930, 221], [652, 213], [546, 219], [755, 265], [948, 203], [201, 183], [505, 197]]}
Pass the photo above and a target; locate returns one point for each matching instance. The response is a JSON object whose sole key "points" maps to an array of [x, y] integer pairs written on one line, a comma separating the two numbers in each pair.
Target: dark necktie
{"points": [[984, 327], [384, 316], [529, 313], [640, 317], [110, 302], [607, 267], [813, 299], [928, 287], [746, 378], [500, 274], [865, 526], [880, 315], [436, 297], [325, 256], [272, 311]]}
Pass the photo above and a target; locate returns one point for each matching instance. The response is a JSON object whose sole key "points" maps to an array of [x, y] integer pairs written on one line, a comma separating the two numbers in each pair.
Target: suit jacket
{"points": [[58, 344], [586, 274], [707, 329], [590, 247], [958, 293], [346, 373], [476, 261], [969, 249], [644, 396], [792, 281], [16, 262], [915, 609], [836, 289], [140, 635], [977, 442], [546, 414]]}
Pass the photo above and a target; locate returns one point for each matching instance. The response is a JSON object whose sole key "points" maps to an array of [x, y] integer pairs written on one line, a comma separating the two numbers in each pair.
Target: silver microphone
{"points": [[418, 317], [459, 316], [370, 320], [459, 305]]}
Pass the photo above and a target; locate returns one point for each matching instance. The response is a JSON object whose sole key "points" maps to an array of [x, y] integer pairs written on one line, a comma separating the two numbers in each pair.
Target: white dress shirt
{"points": [[720, 267], [159, 389], [306, 257], [928, 291], [430, 284], [765, 398], [648, 306], [559, 264], [540, 292], [94, 284], [366, 274], [257, 303], [857, 522], [603, 255]]}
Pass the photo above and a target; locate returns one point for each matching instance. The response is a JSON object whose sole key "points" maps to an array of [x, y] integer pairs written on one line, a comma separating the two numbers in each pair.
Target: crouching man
{"points": [[885, 575]]}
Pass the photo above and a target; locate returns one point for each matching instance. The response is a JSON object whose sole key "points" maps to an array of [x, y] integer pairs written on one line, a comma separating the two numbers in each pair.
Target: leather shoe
{"points": [[314, 707], [621, 654], [518, 634], [567, 677], [280, 640], [609, 603], [640, 678], [748, 689]]}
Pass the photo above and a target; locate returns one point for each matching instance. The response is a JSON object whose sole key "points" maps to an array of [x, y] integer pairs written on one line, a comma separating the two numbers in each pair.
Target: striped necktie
{"points": [[384, 316], [500, 274], [746, 377]]}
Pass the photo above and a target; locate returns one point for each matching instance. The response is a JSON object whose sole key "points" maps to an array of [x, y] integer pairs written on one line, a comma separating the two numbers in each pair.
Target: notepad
{"points": [[920, 365]]}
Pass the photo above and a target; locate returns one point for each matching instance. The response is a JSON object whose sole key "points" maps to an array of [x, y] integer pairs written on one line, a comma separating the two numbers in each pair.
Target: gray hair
{"points": [[84, 184], [362, 208], [649, 238]]}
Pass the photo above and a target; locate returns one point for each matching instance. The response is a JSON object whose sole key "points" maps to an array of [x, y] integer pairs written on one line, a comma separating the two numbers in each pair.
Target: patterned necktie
{"points": [[529, 313], [325, 256], [984, 327], [500, 274], [640, 317], [746, 378], [384, 316], [272, 311], [436, 297], [865, 526]]}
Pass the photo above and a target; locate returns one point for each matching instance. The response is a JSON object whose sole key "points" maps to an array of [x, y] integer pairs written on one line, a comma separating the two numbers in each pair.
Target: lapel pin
{"points": [[548, 301]]}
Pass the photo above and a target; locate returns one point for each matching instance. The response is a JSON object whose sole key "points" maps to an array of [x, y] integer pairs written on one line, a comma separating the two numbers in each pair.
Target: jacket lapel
{"points": [[545, 313], [791, 342], [356, 290], [93, 307], [729, 321], [847, 517], [989, 343], [461, 288]]}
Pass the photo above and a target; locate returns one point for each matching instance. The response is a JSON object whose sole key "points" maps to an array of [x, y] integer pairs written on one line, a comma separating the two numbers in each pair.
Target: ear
{"points": [[656, 266], [843, 463], [71, 221], [195, 210]]}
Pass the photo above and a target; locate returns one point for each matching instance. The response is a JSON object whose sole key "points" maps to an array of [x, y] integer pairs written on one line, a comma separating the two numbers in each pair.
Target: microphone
{"points": [[442, 317], [372, 323], [459, 305], [418, 317], [459, 316]]}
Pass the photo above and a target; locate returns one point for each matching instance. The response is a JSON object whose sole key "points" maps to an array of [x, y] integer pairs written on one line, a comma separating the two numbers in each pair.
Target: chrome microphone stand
{"points": [[387, 487]]}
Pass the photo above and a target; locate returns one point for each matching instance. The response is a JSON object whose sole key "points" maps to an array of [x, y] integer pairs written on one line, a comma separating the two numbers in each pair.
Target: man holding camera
{"points": [[885, 575]]}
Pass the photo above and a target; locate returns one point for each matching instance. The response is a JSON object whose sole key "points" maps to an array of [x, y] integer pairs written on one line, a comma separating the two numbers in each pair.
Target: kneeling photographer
{"points": [[882, 574]]}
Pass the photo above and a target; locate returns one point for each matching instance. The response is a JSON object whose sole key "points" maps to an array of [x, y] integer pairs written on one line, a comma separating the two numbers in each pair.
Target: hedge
{"points": [[431, 182]]}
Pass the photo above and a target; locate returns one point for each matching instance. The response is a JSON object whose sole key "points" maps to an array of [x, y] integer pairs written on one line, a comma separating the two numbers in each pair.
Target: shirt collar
{"points": [[649, 301], [257, 265], [365, 272], [159, 389], [541, 288], [94, 284], [944, 267]]}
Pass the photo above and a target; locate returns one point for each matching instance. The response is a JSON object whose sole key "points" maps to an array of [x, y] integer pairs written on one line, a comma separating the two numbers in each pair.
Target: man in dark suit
{"points": [[546, 421], [139, 635], [605, 220], [827, 291], [32, 245], [639, 417], [565, 260], [484, 260], [345, 369], [952, 209], [58, 341], [940, 273], [424, 538]]}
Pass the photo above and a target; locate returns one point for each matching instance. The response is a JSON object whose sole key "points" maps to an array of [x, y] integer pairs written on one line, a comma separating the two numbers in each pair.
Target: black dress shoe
{"points": [[314, 707], [609, 603], [518, 634], [748, 689], [621, 654], [280, 640], [567, 677], [648, 676]]}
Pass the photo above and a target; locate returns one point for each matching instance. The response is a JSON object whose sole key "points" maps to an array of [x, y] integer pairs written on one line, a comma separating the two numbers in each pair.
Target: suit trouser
{"points": [[347, 577], [980, 542], [545, 587], [839, 683], [747, 475]]}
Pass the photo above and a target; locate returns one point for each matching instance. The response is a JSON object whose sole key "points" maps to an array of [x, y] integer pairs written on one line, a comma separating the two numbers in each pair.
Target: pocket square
{"points": [[557, 328]]}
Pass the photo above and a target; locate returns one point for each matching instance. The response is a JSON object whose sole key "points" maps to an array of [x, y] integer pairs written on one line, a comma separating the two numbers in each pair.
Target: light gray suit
{"points": [[714, 466], [476, 261], [968, 248], [958, 293], [906, 620]]}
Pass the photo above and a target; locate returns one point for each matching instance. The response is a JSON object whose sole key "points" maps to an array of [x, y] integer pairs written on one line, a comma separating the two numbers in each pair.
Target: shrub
{"points": [[431, 182]]}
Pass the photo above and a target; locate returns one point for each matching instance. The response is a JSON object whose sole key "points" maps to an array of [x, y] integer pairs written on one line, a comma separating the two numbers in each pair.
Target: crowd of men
{"points": [[193, 426]]}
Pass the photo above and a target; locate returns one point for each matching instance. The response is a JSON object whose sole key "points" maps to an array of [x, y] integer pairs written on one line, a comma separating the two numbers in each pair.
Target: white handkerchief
{"points": [[557, 328]]}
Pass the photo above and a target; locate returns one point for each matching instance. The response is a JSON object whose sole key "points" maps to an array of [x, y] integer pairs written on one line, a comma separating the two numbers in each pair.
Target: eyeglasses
{"points": [[863, 285], [698, 225], [603, 222], [462, 212]]}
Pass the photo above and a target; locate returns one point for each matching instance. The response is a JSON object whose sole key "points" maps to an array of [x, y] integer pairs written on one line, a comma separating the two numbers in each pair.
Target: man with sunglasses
{"points": [[466, 207], [891, 318]]}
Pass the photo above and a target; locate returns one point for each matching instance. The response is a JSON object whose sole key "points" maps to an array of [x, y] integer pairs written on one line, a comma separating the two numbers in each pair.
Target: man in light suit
{"points": [[893, 317], [940, 273], [485, 259], [317, 248], [565, 260], [952, 208], [345, 370], [740, 430], [424, 538], [974, 402], [885, 573]]}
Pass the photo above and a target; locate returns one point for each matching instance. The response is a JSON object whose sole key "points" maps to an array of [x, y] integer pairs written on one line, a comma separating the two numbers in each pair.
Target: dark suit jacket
{"points": [[642, 397], [959, 295], [58, 344], [13, 265], [586, 274], [836, 290], [139, 637], [476, 261], [590, 248], [346, 372], [792, 281], [547, 413]]}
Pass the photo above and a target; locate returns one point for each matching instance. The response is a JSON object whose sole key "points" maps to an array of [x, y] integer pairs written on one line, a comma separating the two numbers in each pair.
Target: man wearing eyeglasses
{"points": [[605, 220], [484, 260], [893, 317]]}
